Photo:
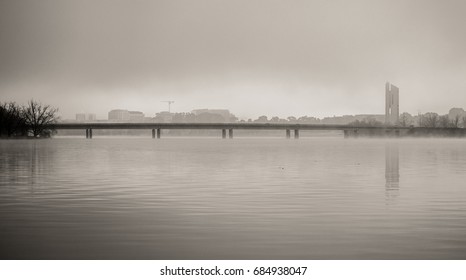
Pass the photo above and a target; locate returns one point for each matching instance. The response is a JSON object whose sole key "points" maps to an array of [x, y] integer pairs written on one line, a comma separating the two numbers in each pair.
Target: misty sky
{"points": [[278, 58]]}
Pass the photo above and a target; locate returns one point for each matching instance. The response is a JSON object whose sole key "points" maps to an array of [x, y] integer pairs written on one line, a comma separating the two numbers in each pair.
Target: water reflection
{"points": [[392, 171], [261, 199], [24, 165]]}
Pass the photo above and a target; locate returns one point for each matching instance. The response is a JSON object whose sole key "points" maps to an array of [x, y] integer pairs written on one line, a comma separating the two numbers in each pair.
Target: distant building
{"points": [[80, 117], [222, 112], [392, 104], [164, 117], [118, 115], [136, 116], [91, 117]]}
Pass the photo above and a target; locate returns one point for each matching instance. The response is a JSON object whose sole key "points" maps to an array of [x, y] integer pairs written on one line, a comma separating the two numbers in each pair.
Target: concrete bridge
{"points": [[349, 131]]}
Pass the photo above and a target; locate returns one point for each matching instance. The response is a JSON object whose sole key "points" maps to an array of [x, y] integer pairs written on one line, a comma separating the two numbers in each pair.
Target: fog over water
{"points": [[261, 57], [259, 195], [245, 198]]}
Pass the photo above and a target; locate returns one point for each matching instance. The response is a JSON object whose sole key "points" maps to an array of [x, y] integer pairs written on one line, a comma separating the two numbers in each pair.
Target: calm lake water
{"points": [[246, 198]]}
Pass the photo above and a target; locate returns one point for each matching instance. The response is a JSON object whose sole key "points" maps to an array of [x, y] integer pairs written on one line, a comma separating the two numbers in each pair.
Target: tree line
{"points": [[32, 119], [431, 120]]}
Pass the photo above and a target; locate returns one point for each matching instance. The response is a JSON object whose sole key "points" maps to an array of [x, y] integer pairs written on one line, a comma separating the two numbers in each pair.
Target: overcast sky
{"points": [[278, 58]]}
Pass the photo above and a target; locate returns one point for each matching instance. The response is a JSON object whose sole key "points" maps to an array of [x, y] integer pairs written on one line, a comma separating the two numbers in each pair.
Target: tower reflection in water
{"points": [[392, 171]]}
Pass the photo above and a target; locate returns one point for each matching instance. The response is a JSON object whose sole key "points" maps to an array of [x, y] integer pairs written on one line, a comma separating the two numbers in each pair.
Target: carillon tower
{"points": [[392, 105]]}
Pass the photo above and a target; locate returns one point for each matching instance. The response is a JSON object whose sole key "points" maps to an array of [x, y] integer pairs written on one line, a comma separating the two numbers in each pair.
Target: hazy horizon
{"points": [[274, 58]]}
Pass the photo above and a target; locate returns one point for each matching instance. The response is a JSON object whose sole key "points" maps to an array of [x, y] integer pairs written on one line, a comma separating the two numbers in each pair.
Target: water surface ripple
{"points": [[246, 198]]}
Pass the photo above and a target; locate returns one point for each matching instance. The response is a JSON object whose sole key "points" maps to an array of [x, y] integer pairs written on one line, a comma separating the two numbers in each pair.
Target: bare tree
{"points": [[430, 120], [420, 120], [38, 117], [405, 119], [455, 122], [370, 121], [367, 122], [444, 121]]}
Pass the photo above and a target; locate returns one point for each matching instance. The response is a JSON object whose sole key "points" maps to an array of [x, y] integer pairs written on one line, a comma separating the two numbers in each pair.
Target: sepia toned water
{"points": [[245, 198]]}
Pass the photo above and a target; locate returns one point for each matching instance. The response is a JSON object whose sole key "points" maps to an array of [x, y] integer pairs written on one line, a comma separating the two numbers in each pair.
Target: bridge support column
{"points": [[87, 133], [230, 133], [224, 133], [296, 134], [90, 133], [159, 132], [153, 133], [288, 134]]}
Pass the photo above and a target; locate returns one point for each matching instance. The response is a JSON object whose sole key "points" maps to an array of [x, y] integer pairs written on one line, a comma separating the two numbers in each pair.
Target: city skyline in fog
{"points": [[274, 58]]}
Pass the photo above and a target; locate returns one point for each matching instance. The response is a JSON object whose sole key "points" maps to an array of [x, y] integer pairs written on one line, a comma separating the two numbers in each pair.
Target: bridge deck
{"points": [[349, 130], [255, 126]]}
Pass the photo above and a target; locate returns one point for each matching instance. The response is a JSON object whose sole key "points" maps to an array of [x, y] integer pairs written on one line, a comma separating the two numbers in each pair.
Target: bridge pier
{"points": [[153, 133], [288, 134], [230, 133], [296, 134], [87, 133], [224, 133], [90, 133], [159, 132]]}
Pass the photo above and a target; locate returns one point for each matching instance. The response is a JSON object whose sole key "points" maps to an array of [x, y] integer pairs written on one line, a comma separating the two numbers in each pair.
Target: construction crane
{"points": [[169, 104]]}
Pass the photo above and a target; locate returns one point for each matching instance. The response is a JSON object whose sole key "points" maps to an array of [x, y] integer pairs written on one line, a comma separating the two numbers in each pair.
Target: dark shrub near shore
{"points": [[12, 122], [31, 120]]}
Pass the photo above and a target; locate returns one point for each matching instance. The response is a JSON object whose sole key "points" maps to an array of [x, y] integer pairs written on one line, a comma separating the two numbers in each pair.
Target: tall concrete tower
{"points": [[392, 104]]}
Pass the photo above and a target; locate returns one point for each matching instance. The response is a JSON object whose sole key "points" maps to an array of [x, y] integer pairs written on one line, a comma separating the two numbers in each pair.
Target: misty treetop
{"points": [[32, 119], [456, 118]]}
